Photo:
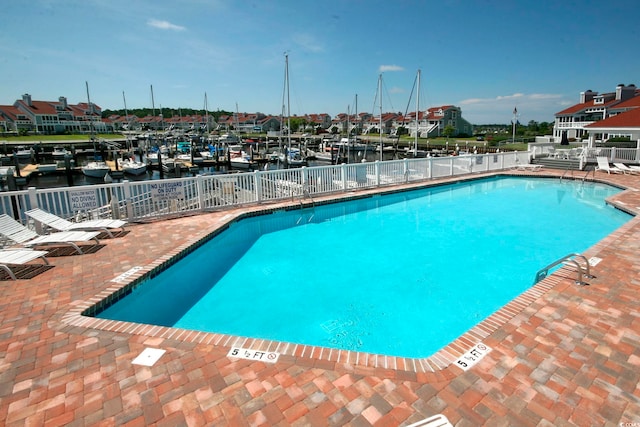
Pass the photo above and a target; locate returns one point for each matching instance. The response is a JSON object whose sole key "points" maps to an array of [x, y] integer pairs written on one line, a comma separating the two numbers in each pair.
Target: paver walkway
{"points": [[570, 357]]}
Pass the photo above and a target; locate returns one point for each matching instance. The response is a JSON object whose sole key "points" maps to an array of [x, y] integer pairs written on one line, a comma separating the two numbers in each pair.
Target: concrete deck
{"points": [[566, 355]]}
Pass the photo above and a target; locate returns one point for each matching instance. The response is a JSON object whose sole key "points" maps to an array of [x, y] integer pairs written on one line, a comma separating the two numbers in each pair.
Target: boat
{"points": [[292, 157], [133, 167], [348, 144], [418, 153], [96, 169], [152, 157], [242, 160], [174, 166], [229, 139], [207, 155], [45, 168], [289, 156], [23, 153], [58, 153]]}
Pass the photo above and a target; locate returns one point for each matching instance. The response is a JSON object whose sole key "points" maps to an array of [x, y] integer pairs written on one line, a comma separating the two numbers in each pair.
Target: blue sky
{"points": [[484, 56]]}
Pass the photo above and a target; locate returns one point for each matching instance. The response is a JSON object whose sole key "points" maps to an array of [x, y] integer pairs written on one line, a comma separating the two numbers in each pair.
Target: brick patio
{"points": [[568, 355]]}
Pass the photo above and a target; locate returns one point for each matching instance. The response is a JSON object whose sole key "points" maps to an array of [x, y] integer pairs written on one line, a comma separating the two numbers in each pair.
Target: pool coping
{"points": [[439, 361]]}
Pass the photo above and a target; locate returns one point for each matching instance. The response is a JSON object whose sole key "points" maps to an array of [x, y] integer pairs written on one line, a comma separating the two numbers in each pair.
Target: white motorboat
{"points": [[293, 157], [96, 169], [58, 153], [23, 153], [349, 145], [229, 139], [152, 157], [173, 165], [206, 155], [133, 167], [242, 161], [186, 157]]}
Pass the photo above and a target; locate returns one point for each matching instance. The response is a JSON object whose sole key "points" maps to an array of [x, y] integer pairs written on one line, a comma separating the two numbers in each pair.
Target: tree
{"points": [[297, 123], [448, 131]]}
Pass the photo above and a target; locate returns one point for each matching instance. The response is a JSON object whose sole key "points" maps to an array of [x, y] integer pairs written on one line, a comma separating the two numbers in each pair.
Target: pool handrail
{"points": [[567, 259]]}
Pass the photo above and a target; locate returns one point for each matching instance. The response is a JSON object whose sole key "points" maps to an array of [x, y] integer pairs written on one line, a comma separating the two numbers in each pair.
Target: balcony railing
{"points": [[572, 125]]}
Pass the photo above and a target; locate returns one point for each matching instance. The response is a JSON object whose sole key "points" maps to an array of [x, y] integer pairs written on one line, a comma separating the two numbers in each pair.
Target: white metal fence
{"points": [[146, 200]]}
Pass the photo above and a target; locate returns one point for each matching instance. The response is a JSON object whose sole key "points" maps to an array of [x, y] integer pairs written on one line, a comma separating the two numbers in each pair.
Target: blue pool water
{"points": [[401, 274]]}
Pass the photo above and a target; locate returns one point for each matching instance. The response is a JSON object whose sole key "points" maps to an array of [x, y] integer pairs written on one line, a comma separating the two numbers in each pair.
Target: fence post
{"points": [[257, 185], [200, 189], [343, 173], [126, 190], [405, 171], [33, 203], [613, 154], [33, 198], [377, 172], [305, 180]]}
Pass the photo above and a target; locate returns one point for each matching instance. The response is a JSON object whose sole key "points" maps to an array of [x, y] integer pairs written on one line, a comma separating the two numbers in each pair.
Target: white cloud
{"points": [[535, 106], [308, 42], [164, 25], [384, 68]]}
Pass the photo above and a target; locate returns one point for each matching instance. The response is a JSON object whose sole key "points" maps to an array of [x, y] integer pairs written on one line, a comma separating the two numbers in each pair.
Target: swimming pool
{"points": [[401, 274]]}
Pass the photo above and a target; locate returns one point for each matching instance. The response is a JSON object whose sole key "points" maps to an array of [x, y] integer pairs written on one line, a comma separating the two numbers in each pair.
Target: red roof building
{"points": [[626, 123], [576, 120], [50, 117]]}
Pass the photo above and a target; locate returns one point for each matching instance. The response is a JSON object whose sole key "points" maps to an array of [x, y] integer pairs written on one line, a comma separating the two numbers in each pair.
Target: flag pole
{"points": [[514, 121]]}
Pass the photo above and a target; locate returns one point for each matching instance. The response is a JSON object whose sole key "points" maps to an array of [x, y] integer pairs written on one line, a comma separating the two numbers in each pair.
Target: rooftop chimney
{"points": [[587, 96], [27, 99], [625, 92]]}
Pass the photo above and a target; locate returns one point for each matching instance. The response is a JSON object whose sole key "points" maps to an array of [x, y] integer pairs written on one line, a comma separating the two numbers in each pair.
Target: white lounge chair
{"points": [[61, 224], [439, 420], [18, 233], [10, 257], [603, 165], [626, 169]]}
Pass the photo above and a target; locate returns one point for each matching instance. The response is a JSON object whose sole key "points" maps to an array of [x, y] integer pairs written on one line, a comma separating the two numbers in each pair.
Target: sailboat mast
{"points": [[286, 73], [126, 114], [206, 113], [348, 132], [153, 115], [357, 120], [380, 92], [153, 105], [91, 130], [415, 149], [126, 117]]}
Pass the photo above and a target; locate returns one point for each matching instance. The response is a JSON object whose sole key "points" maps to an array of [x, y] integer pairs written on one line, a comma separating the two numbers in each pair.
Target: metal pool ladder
{"points": [[582, 269], [306, 194]]}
